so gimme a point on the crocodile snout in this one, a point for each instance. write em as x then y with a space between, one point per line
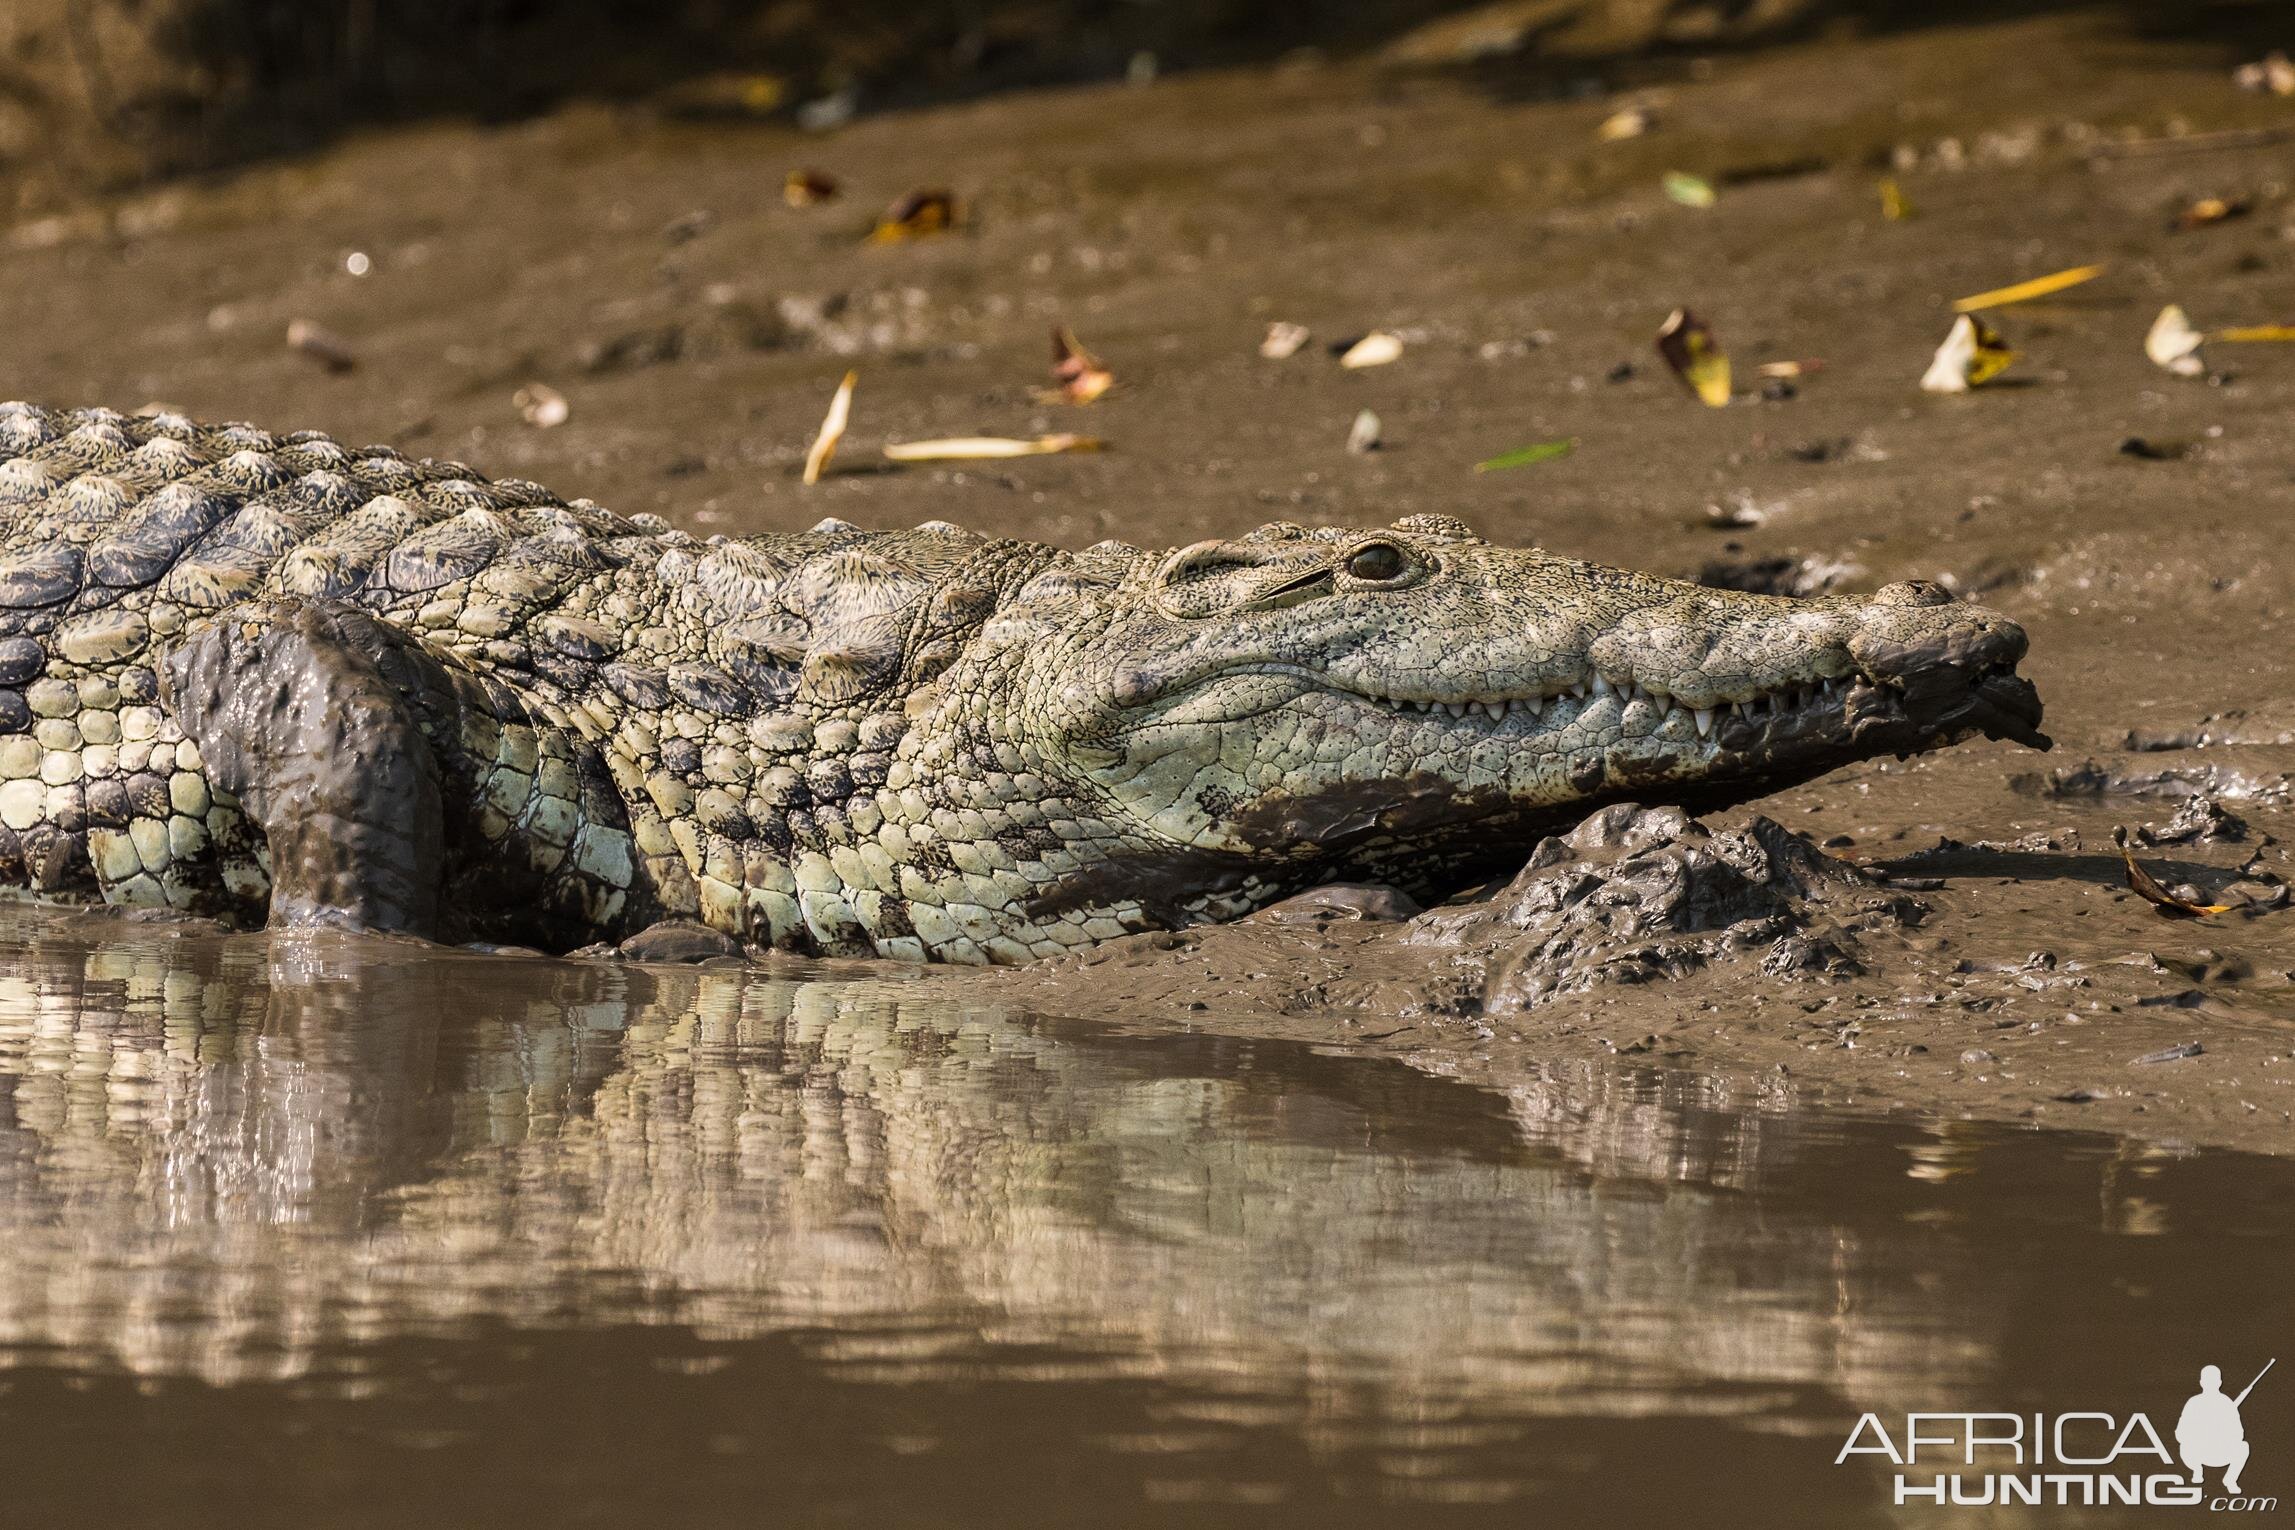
1952 666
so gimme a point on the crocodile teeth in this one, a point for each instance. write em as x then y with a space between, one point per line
1455 708
1704 716
1536 704
1602 686
1741 709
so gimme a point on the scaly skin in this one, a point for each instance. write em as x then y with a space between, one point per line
925 744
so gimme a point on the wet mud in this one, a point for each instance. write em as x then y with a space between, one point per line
1957 930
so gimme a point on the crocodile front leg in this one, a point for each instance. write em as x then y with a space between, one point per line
396 788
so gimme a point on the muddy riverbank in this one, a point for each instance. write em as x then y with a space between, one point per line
645 267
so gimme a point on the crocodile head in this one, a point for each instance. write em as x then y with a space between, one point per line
1416 704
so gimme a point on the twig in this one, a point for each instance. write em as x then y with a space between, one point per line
2195 143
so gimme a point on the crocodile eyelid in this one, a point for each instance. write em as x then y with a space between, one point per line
1322 574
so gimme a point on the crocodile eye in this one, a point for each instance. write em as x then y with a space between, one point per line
1376 563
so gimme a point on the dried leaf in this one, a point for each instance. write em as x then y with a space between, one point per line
832 429
2211 210
2174 343
1626 122
2140 883
807 188
1527 456
1689 190
2245 333
1364 435
918 215
1972 355
1283 340
986 448
324 346
1895 205
542 406
1790 368
1688 346
1375 349
2022 292
1079 373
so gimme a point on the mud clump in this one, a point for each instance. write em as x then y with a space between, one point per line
1639 895
2200 820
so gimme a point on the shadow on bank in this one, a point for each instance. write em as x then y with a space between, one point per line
98 93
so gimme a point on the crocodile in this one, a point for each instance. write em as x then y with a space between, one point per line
273 678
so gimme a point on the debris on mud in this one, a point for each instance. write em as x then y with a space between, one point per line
832 429
1777 575
1364 436
2025 292
2093 779
1973 354
542 406
1079 374
1283 340
1375 349
2210 210
2273 74
2175 902
918 215
2174 343
1689 190
808 188
1687 344
988 448
322 345
2200 820
1526 456
1637 895
1626 122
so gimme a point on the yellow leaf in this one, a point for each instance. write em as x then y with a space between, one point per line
1895 206
2039 286
1688 346
986 448
915 216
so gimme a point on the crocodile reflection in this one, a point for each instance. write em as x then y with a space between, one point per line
219 1154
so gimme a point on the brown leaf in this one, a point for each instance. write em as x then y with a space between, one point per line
2142 884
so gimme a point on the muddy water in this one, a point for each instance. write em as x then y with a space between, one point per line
328 1230
644 266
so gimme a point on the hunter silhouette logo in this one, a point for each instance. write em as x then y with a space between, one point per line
2210 1432
2078 1459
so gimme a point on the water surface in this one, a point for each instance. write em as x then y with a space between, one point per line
324 1230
